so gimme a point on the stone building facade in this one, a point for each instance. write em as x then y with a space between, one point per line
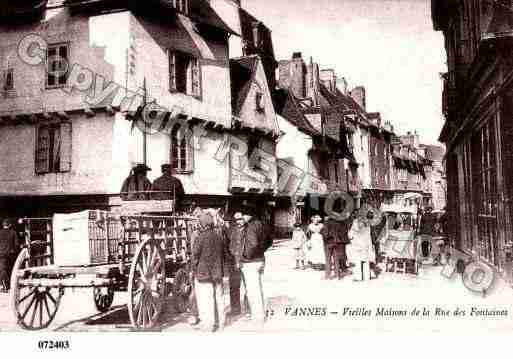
70 138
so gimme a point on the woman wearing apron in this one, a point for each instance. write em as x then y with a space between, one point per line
316 255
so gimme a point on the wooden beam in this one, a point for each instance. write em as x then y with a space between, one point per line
33 118
63 115
89 112
110 111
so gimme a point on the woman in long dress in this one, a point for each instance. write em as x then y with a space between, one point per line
316 245
361 251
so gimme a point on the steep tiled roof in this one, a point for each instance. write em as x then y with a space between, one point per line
14 8
246 22
288 106
200 10
205 14
345 103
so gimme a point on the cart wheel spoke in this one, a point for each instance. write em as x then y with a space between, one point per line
41 312
148 311
139 311
140 268
34 313
142 309
26 296
47 308
145 298
31 304
27 308
52 298
137 292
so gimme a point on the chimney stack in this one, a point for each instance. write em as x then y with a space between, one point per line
292 75
358 94
312 85
329 79
342 85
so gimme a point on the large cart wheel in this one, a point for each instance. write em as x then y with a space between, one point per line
103 298
182 288
146 285
34 306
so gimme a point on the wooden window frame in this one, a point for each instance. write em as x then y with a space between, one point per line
193 73
49 73
182 6
181 154
64 151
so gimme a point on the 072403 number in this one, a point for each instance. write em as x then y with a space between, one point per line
51 344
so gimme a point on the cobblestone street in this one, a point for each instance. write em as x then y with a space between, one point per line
288 290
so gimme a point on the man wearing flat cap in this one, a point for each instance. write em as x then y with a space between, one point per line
167 186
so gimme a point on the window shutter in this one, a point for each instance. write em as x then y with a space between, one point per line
56 155
8 79
65 147
63 64
4 80
42 158
172 70
196 78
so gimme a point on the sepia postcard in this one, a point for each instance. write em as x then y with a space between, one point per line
255 167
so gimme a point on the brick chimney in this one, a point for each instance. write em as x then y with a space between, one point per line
358 94
292 75
329 79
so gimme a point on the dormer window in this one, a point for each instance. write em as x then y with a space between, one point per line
181 6
259 102
256 34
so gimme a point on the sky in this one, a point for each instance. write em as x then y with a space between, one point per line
388 46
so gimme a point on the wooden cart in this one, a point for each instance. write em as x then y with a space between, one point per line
399 242
143 255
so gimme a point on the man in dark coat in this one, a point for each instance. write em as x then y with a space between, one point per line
249 255
427 222
334 234
8 243
167 186
136 186
209 256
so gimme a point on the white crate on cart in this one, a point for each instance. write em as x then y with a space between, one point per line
71 239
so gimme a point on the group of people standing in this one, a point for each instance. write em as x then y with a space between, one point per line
339 247
237 252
